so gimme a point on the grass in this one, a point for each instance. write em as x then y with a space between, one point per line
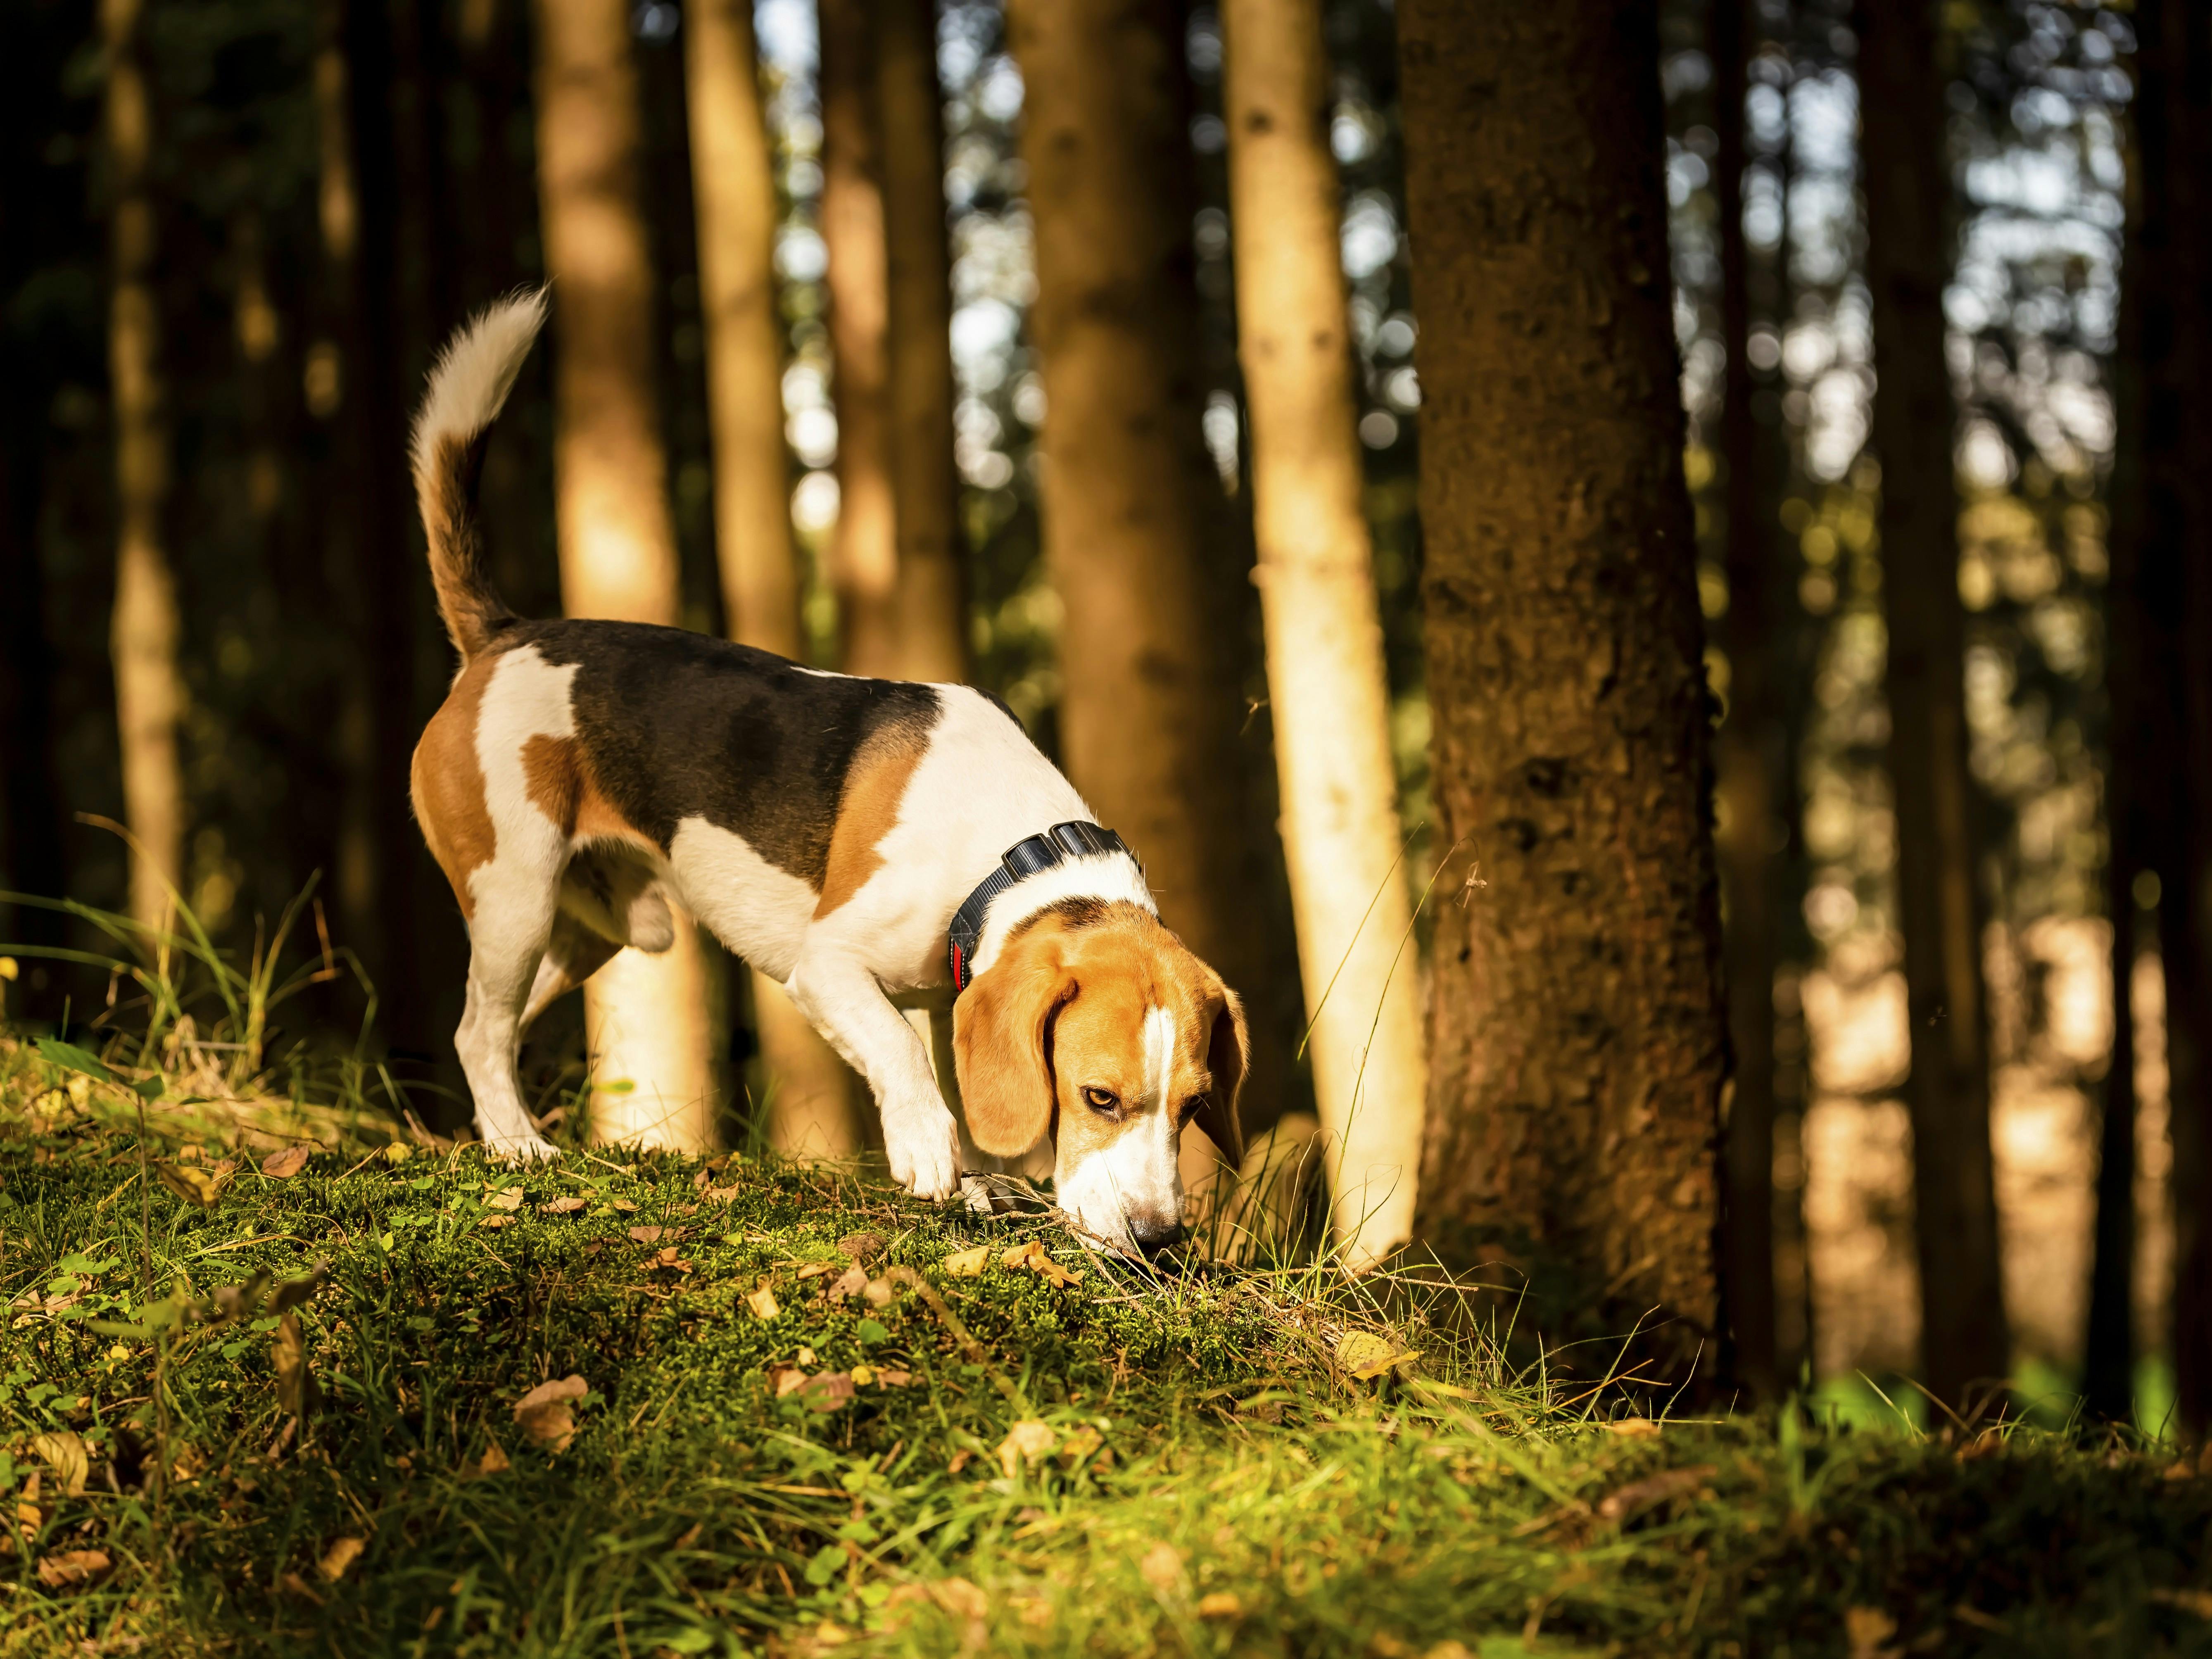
996 1461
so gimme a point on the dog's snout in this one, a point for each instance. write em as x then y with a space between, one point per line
1154 1238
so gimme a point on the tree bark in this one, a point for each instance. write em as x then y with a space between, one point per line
1577 1025
1750 761
1907 175
932 584
864 546
1326 678
807 1094
647 1020
1151 650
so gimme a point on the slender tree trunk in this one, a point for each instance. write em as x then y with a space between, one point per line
933 588
645 1018
864 547
1749 760
1151 648
1577 1015
1908 261
1325 671
149 696
808 1092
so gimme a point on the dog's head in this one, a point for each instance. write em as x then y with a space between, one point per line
1095 1025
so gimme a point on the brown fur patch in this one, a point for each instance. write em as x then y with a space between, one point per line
559 782
867 809
448 784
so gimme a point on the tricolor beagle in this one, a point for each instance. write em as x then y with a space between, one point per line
828 829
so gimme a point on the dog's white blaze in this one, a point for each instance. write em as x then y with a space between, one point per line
1159 1057
1138 1175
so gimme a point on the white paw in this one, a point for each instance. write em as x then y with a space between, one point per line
924 1150
519 1149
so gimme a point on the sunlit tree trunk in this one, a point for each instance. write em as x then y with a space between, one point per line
647 1019
807 1091
864 546
1577 1015
149 693
1907 174
1325 671
931 586
1152 647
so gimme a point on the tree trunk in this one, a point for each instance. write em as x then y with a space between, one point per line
1151 650
1750 763
1325 671
807 1093
1907 174
149 696
932 582
645 1018
1576 1017
864 546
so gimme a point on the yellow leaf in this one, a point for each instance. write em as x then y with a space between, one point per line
341 1555
494 1222
968 1264
397 1151
1032 1256
72 1568
562 1206
1027 1439
194 1186
494 1462
544 1413
763 1303
1221 1604
1632 1428
296 1392
1367 1356
29 1517
863 1375
66 1455
283 1166
509 1199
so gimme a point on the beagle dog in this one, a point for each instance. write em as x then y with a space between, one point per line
855 839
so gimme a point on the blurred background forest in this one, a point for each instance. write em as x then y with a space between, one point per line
326 187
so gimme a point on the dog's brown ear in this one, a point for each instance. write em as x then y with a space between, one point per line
1228 1056
1001 1029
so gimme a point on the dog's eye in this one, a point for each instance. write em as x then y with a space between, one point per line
1192 1107
1100 1100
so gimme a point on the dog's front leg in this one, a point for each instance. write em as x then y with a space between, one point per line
846 1004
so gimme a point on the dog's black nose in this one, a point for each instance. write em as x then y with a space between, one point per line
1154 1238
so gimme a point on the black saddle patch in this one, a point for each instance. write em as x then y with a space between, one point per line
676 724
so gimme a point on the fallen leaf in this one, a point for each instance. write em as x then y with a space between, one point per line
494 1462
494 1222
341 1555
544 1415
2189 1600
1221 1604
296 1392
1450 1649
665 1260
1367 1356
894 1379
960 1460
763 1302
827 1391
72 1568
787 1378
815 1270
194 1186
861 1246
623 1205
968 1264
29 1517
1033 1610
1631 1428
852 1282
720 1195
568 1205
66 1455
1869 1630
960 1597
863 1375
283 1166
397 1151
655 1235
1640 1495
1028 1438
509 1199
293 1585
1078 1446
1162 1567
1032 1256
291 1293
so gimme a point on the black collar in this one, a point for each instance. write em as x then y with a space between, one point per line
1025 858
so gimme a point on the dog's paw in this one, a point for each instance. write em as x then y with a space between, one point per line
520 1149
925 1153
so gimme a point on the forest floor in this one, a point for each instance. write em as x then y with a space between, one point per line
982 1440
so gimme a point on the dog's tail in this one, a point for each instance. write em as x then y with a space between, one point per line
471 381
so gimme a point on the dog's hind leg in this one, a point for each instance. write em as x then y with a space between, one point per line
572 955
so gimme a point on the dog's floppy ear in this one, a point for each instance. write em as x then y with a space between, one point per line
1001 1038
1228 1056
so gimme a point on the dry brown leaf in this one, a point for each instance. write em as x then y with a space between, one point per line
494 1222
66 1454
1868 1631
1027 1439
720 1195
283 1166
296 1392
960 1597
785 1378
568 1205
72 1568
960 1460
968 1264
1221 1604
29 1517
851 1282
194 1186
341 1555
815 1270
623 1205
1637 1496
763 1302
879 1293
891 1379
1631 1428
1162 1567
1032 1256
655 1235
544 1415
293 1585
494 1462
509 1199
861 1246
828 1391
665 1260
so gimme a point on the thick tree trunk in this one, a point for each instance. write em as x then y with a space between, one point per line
1325 671
647 1019
864 547
149 696
1151 647
807 1093
1750 762
931 583
1577 1018
1940 903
